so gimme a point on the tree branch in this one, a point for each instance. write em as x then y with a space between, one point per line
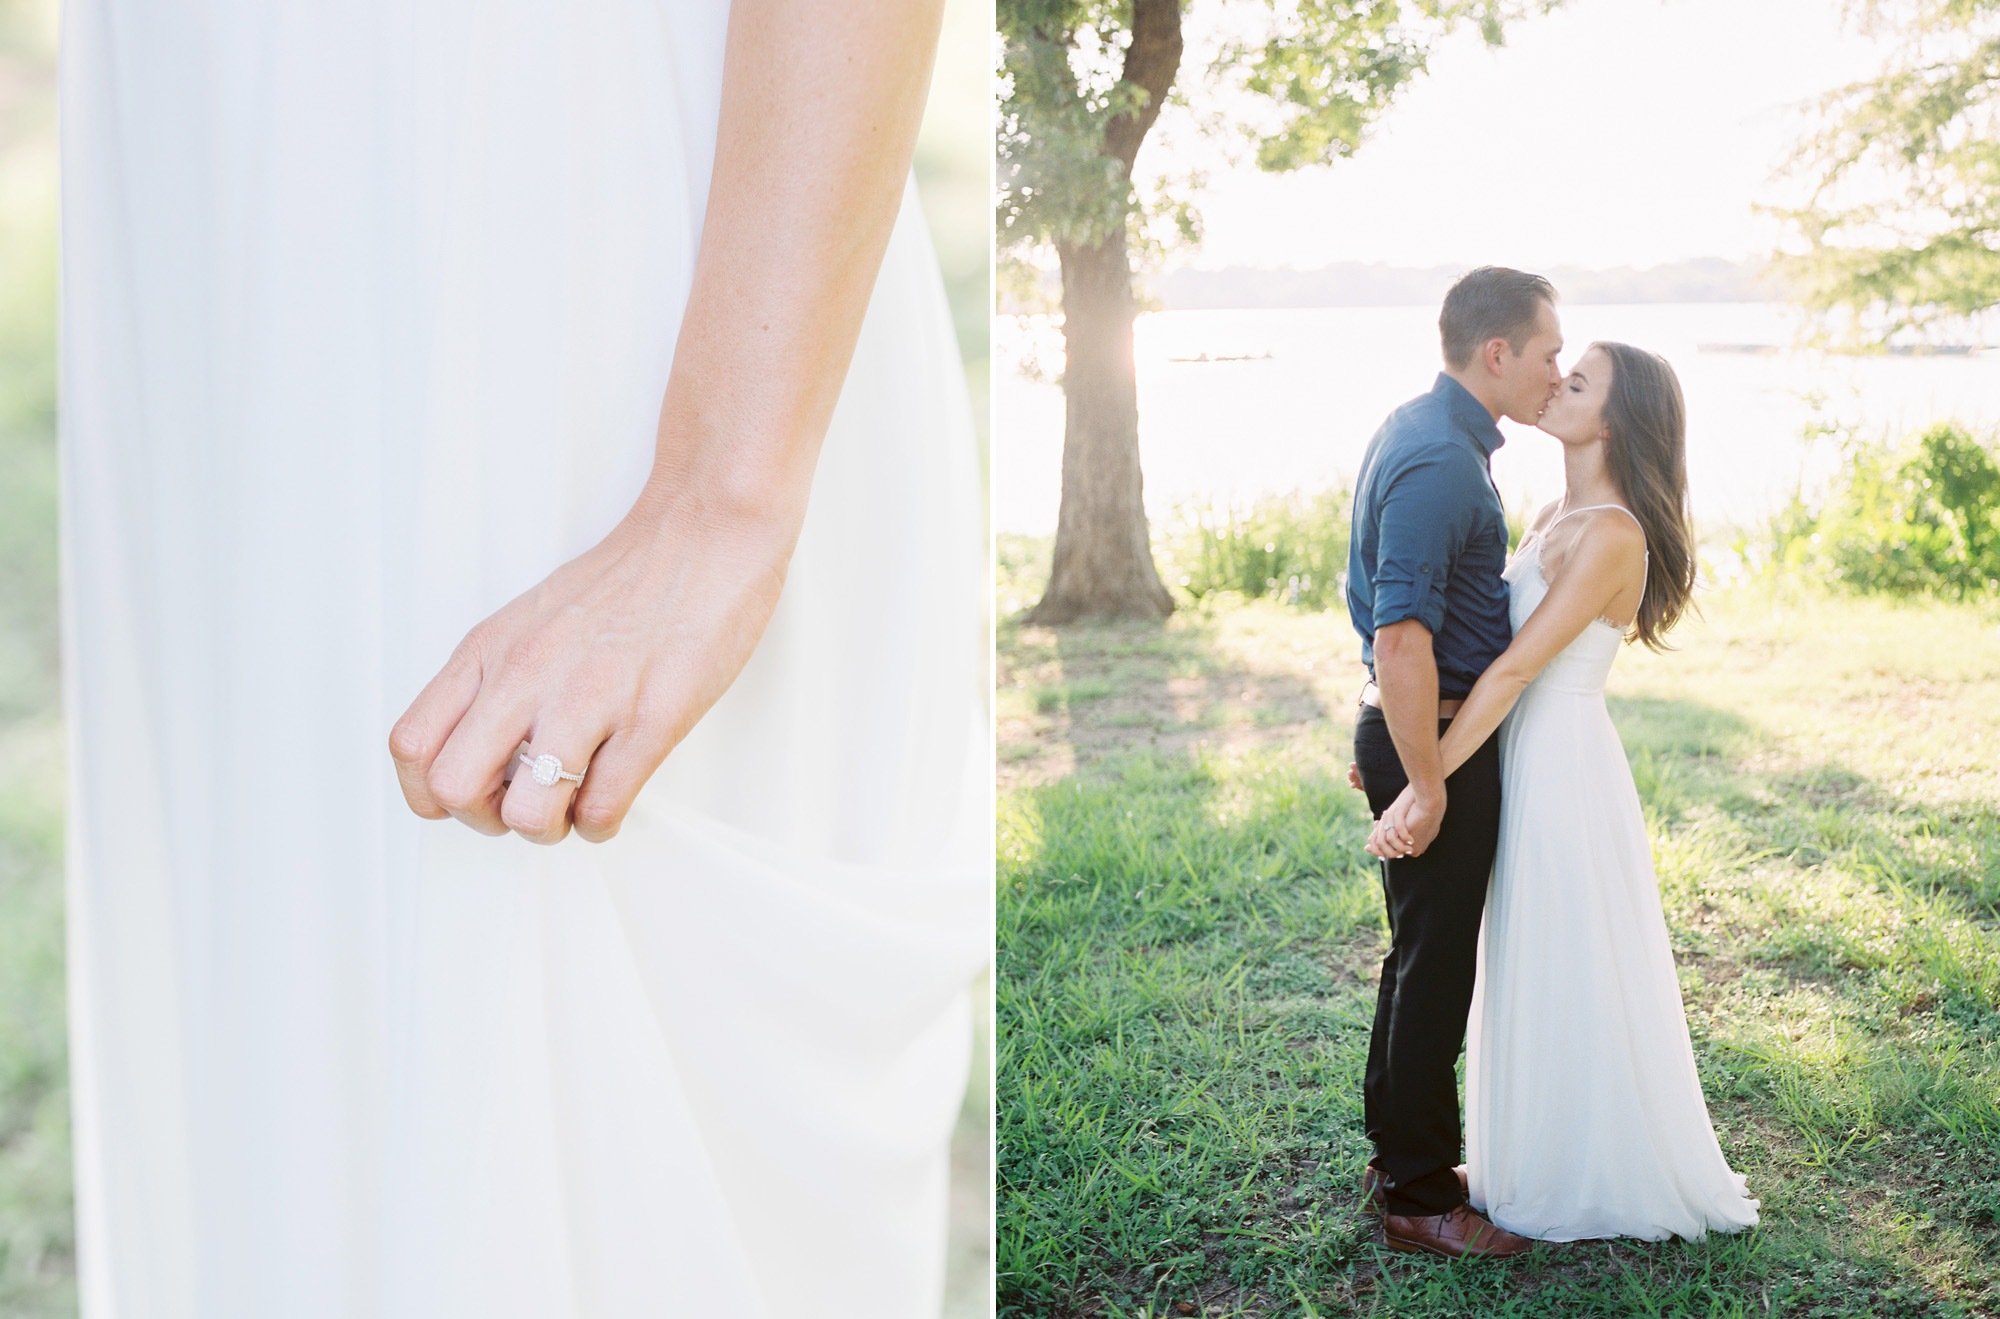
1151 63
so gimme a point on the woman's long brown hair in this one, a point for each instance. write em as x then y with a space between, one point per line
1647 452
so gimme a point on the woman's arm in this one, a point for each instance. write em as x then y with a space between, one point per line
820 109
1541 519
1608 554
615 656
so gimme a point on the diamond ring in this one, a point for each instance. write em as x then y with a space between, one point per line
547 769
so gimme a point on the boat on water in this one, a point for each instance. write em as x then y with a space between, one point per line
1893 350
1263 356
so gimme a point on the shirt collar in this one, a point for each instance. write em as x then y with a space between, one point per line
1469 413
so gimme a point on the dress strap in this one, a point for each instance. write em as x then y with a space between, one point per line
1587 508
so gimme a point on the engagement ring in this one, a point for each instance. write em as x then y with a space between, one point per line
547 769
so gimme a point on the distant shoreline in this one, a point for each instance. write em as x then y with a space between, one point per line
1354 284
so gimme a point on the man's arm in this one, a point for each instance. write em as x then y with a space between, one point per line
1407 677
1425 517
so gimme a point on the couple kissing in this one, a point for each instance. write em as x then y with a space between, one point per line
1524 916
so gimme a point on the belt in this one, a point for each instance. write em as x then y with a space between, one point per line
1447 706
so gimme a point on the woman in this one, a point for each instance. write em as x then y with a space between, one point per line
1584 1112
558 394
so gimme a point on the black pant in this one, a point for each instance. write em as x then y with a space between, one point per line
1410 1092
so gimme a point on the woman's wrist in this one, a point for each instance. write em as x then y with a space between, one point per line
733 498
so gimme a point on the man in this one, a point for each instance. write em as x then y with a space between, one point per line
1424 591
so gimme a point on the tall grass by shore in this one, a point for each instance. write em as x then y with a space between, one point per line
1189 933
1915 515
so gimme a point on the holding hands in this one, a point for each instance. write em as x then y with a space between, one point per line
1406 828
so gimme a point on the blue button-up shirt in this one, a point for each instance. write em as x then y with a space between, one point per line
1430 534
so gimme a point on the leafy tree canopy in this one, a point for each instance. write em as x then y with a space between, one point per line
1071 120
1901 221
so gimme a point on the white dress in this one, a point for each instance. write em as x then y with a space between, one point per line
1584 1112
368 307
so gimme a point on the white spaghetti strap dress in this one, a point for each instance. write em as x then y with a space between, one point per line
1584 1111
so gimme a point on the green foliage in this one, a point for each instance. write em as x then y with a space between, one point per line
28 317
37 1240
28 621
953 168
1021 571
1059 73
1902 224
1326 69
1290 547
1330 90
1922 517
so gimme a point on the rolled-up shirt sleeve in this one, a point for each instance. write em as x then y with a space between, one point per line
1425 518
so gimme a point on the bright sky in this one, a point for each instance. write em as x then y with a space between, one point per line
1612 132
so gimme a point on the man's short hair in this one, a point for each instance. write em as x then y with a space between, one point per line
1489 303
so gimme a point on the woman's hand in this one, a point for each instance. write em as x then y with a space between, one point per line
611 660
1394 834
606 664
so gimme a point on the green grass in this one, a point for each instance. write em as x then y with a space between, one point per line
37 1243
1188 935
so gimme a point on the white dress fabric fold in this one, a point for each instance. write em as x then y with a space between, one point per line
368 309
1584 1111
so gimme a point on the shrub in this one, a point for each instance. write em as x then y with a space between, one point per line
1020 571
1921 517
1292 548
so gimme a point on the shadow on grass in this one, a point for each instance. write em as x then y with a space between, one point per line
1074 695
1185 973
1173 1030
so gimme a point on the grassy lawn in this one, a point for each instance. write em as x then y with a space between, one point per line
1189 934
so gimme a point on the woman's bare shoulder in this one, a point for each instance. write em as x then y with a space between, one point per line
1612 531
1608 543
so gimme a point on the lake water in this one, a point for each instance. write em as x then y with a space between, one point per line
1300 418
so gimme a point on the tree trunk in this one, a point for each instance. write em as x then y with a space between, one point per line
1104 553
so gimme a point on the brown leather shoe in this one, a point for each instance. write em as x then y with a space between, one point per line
1373 1178
1460 1233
